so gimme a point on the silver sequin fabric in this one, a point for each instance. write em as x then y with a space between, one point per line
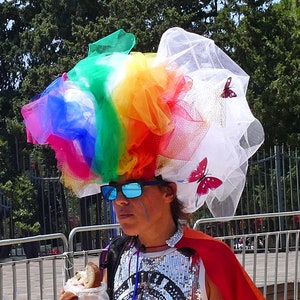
158 275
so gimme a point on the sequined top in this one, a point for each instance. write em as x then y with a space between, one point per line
166 275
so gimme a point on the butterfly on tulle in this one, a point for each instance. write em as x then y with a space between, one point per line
206 183
228 92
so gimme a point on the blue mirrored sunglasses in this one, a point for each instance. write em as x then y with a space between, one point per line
130 190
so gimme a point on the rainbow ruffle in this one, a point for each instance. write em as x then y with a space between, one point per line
120 112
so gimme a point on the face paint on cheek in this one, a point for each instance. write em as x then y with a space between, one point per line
142 204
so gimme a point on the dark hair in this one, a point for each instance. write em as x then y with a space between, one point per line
178 213
177 207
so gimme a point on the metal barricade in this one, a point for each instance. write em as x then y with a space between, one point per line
270 259
16 281
43 277
76 230
273 269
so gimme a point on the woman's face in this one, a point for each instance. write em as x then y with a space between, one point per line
144 214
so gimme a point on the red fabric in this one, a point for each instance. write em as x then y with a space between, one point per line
221 266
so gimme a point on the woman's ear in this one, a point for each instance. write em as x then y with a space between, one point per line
170 191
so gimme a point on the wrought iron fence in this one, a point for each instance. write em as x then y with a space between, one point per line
272 186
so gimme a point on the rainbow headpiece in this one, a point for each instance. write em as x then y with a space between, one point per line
180 113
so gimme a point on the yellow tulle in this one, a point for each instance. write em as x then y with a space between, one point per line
140 95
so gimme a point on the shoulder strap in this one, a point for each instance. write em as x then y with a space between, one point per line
103 261
110 258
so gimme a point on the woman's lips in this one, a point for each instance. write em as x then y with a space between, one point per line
123 216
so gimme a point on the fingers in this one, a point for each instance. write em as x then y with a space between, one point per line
67 296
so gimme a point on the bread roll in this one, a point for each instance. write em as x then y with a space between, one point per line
92 276
89 277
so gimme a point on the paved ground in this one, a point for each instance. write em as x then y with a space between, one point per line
47 276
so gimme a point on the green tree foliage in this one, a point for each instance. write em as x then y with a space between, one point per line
274 64
39 40
25 207
264 38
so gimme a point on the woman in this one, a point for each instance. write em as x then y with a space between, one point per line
162 259
159 258
169 132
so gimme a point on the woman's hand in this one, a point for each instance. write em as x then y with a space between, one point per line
67 296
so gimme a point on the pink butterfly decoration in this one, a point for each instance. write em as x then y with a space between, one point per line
228 93
206 183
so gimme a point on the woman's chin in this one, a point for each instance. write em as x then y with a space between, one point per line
129 229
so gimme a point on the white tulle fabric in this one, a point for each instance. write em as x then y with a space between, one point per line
234 134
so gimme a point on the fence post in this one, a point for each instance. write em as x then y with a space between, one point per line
278 155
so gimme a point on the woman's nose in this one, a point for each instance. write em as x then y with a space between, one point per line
121 199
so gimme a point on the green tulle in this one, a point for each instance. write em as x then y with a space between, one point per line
93 74
119 41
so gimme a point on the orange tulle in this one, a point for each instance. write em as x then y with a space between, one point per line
145 100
